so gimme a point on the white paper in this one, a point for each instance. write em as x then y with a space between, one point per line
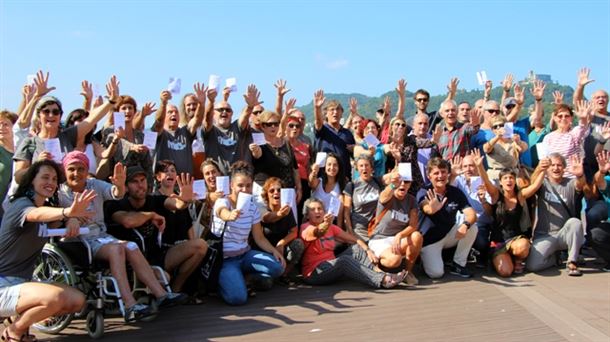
160 239
243 202
475 183
333 206
480 78
92 161
119 120
321 159
198 146
508 130
214 82
200 189
174 85
231 83
52 146
30 79
96 91
62 232
542 151
259 139
287 196
371 140
404 170
484 76
597 129
150 139
222 184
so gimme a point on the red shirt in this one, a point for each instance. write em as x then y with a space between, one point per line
319 250
301 154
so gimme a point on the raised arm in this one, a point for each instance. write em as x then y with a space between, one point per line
280 85
85 126
318 102
513 115
160 116
284 120
603 162
353 112
401 90
491 188
537 178
487 91
452 88
185 185
577 169
388 192
87 93
507 83
582 81
252 99
195 122
208 120
537 92
42 89
139 118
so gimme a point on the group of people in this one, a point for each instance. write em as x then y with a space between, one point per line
366 198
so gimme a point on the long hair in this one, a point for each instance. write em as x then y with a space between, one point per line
25 186
340 173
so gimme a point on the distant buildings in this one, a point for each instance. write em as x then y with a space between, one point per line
532 77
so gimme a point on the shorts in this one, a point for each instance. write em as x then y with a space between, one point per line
98 241
380 245
503 247
10 288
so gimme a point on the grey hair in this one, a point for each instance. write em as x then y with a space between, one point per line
557 155
444 103
308 202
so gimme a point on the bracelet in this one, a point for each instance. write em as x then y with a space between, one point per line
63 213
111 102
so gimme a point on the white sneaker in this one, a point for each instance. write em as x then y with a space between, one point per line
410 279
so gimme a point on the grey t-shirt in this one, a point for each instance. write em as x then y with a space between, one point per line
552 214
176 146
364 202
396 218
104 193
20 244
31 147
223 145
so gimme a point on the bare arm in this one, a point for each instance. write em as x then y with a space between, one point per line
582 81
280 85
252 99
452 88
197 119
112 87
208 121
318 101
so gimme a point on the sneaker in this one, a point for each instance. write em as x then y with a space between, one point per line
410 279
606 268
391 280
460 271
172 299
137 312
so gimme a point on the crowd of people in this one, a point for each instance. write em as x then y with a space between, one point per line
366 198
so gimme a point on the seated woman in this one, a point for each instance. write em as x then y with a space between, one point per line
279 225
502 153
103 245
20 246
511 219
237 225
360 199
321 266
396 235
329 183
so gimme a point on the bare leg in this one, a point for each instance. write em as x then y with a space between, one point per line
186 257
115 255
144 272
412 246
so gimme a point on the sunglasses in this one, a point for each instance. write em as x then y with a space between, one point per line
493 111
271 124
274 190
422 99
497 126
51 111
294 126
400 124
224 110
509 107
257 112
563 116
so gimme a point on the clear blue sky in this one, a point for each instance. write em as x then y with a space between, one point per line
341 46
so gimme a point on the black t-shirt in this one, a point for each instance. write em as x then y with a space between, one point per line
436 226
276 231
275 162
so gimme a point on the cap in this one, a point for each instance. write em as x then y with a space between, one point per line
133 171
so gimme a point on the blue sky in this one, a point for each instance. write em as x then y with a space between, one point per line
341 46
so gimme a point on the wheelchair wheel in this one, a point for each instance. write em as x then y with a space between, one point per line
95 324
53 266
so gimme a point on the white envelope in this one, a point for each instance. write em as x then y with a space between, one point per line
333 206
371 140
480 78
92 161
231 83
222 184
214 82
150 139
287 196
52 145
484 76
96 91
321 158
200 189
244 201
119 120
542 151
404 170
174 85
259 139
198 146
508 130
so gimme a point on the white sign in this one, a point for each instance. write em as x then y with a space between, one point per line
214 82
371 140
52 146
333 206
475 183
119 120
259 139
46 232
542 151
321 159
150 139
243 202
231 83
174 85
200 189
508 130
222 184
404 170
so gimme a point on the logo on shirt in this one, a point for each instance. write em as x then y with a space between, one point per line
227 141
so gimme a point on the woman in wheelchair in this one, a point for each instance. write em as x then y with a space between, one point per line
105 246
28 212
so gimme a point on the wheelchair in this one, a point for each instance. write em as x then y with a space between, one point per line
71 262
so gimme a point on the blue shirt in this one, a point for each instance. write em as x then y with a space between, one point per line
330 140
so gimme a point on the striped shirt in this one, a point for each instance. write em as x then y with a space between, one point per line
237 232
566 143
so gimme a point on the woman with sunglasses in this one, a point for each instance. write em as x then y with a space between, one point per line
502 152
275 158
566 140
303 152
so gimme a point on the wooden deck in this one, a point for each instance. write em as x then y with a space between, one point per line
550 306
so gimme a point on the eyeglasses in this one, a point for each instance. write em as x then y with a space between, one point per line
511 106
566 116
294 126
401 124
493 111
223 110
274 190
51 111
271 124
422 99
497 126
257 112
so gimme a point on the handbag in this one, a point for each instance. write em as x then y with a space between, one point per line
212 263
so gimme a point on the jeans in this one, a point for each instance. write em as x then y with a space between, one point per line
231 281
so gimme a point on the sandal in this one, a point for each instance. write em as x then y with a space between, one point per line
6 337
574 271
391 280
27 337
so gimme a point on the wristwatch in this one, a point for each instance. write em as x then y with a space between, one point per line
467 224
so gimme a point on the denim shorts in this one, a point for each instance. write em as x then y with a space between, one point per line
10 288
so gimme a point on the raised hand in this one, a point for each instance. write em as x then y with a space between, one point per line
576 167
557 97
507 83
112 88
401 88
476 157
456 163
387 106
605 130
436 135
233 215
583 77
252 96
584 109
544 164
318 98
285 210
185 185
475 115
603 161
87 90
212 93
488 86
280 85
353 106
289 105
226 92
433 202
148 108
165 96
28 91
119 175
537 90
452 86
41 82
519 94
200 92
78 208
98 101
